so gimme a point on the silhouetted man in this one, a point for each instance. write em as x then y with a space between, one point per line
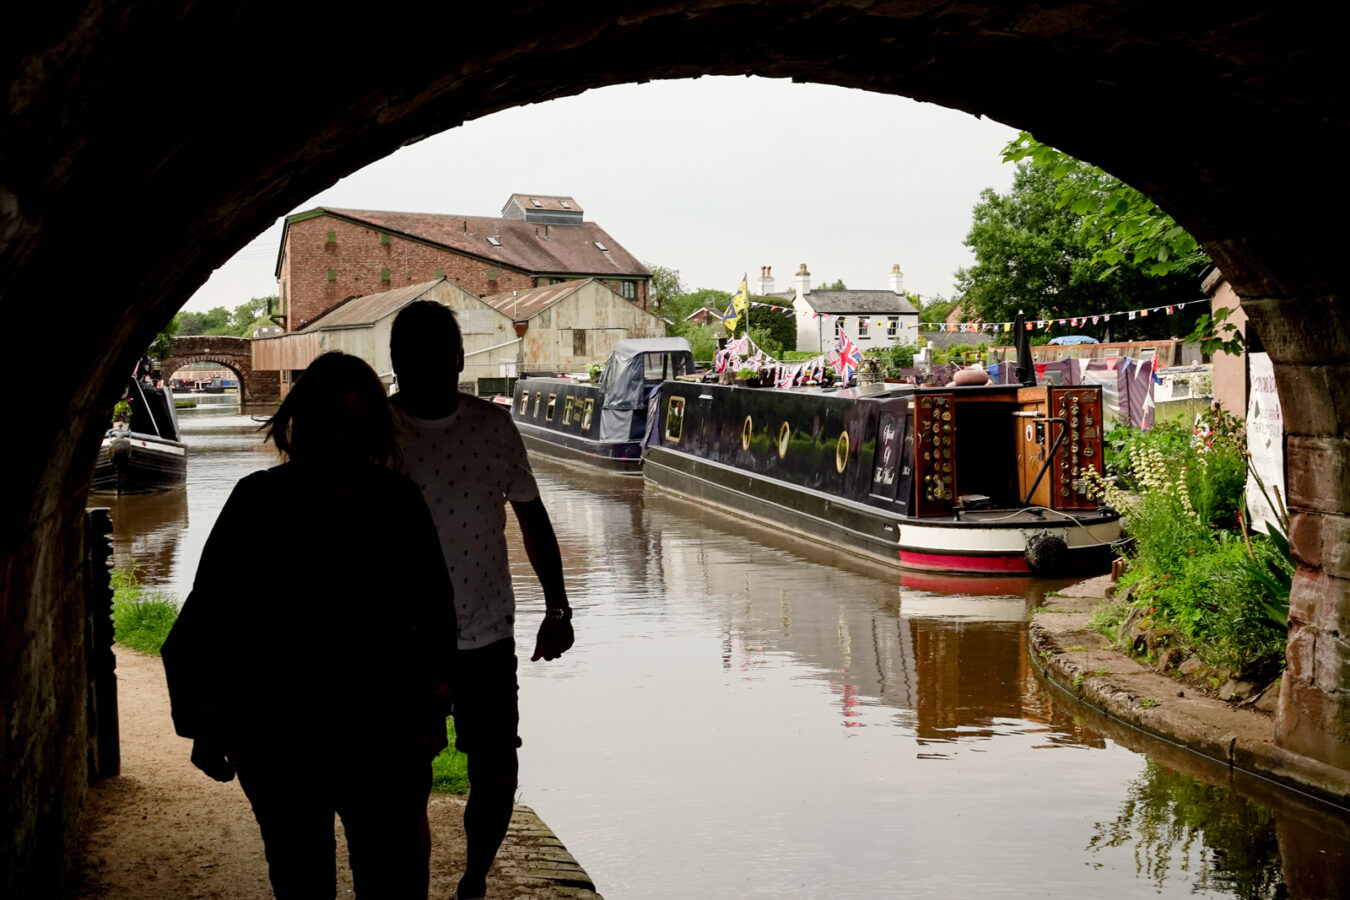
469 461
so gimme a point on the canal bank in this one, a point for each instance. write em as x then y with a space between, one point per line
161 829
1081 661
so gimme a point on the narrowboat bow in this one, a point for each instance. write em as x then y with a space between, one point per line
978 480
142 454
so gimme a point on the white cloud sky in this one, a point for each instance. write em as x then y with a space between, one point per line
714 177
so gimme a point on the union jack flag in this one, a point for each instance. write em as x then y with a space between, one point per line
850 357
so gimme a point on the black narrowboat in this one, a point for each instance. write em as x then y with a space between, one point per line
603 423
142 453
986 479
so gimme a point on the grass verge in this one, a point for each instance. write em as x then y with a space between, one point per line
450 768
141 617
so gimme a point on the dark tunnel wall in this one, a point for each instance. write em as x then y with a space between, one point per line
144 143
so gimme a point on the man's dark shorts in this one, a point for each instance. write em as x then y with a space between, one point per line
486 708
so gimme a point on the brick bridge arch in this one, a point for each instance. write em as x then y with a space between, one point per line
233 353
1232 116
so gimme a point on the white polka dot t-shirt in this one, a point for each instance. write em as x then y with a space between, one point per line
468 465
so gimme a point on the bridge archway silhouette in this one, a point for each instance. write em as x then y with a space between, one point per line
1191 104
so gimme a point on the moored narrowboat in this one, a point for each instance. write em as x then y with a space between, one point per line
142 453
988 479
602 423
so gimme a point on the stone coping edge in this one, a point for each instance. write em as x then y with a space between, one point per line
534 859
1249 748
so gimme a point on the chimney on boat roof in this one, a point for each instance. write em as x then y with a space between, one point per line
765 280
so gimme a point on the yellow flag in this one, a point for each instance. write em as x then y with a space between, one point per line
740 304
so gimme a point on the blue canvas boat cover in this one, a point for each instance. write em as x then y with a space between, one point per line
634 363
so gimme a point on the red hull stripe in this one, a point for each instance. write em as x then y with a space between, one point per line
938 562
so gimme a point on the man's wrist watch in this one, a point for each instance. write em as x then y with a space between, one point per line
562 613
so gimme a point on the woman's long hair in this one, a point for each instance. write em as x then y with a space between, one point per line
336 413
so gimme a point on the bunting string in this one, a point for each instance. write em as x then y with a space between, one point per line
994 327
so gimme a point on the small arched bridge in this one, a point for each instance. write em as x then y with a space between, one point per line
235 354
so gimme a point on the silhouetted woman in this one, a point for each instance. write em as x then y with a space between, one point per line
311 656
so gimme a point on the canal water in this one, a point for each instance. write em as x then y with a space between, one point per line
747 715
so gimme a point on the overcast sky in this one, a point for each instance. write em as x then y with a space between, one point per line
714 177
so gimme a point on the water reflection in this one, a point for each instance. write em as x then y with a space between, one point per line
747 715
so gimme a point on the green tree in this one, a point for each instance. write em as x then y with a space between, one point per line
162 346
1034 255
1119 223
219 321
771 328
836 285
936 309
665 286
679 307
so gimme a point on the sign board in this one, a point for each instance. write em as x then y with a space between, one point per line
1265 442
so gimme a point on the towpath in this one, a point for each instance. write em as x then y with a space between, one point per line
161 829
1081 661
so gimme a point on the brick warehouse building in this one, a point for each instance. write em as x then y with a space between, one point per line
329 255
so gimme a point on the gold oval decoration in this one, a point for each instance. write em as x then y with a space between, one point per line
746 431
841 453
784 432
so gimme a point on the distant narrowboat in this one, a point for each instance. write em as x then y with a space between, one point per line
604 423
143 452
975 480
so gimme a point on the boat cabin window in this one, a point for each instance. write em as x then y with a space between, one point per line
537 399
662 366
568 403
784 435
674 419
552 405
524 402
586 416
841 453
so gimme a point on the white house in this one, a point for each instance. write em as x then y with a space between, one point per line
870 318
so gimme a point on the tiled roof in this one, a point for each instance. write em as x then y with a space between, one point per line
547 201
522 305
537 249
854 302
362 312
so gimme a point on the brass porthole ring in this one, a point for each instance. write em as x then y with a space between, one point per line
841 453
746 430
784 432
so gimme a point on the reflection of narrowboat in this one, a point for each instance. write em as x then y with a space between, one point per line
143 453
980 480
604 423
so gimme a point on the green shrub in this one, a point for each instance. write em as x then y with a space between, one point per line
141 618
1193 568
450 768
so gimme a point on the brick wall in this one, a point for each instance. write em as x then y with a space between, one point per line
359 260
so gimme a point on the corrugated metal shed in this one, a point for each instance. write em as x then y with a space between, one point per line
522 305
363 312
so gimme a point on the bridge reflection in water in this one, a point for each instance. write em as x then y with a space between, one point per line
748 715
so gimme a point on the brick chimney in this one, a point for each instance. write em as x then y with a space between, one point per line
803 281
765 280
897 280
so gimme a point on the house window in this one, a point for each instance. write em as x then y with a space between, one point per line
586 415
862 330
628 290
674 419
524 401
552 406
578 342
567 410
893 327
